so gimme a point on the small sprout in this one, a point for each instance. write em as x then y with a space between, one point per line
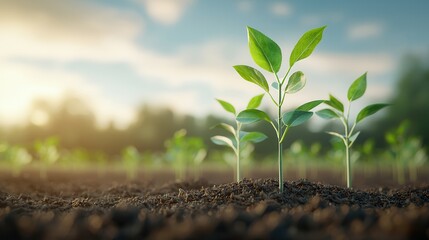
237 138
336 110
131 159
47 153
267 55
184 151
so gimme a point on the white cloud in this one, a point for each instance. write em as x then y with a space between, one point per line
365 30
375 63
54 37
21 84
166 11
281 9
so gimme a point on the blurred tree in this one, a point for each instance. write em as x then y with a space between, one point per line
410 101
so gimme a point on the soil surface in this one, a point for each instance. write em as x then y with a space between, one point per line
86 207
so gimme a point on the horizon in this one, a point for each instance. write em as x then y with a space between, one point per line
117 56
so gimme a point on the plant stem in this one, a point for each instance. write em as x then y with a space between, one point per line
347 145
237 154
349 179
279 136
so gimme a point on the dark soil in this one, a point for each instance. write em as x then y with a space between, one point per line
252 209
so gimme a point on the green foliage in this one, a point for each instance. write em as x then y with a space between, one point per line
237 139
184 151
267 55
16 156
306 45
336 111
265 52
47 153
131 159
406 151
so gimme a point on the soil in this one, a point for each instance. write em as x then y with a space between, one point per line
88 207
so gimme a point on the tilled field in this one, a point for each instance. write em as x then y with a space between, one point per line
252 209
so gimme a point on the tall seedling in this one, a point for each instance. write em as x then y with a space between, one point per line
267 55
238 137
336 110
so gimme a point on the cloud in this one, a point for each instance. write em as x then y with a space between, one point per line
365 30
83 32
18 91
281 9
54 30
351 63
166 12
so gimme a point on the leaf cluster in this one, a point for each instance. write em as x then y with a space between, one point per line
236 136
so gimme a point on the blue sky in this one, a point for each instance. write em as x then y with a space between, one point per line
117 55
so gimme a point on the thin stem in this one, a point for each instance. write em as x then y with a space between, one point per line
349 179
287 73
347 134
284 134
237 153
272 99
279 135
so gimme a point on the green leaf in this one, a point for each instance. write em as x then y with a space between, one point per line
265 52
296 117
310 105
223 141
357 89
252 75
327 114
275 85
306 44
369 110
255 101
227 127
335 103
296 82
254 137
227 106
252 115
353 138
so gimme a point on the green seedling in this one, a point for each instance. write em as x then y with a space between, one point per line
237 137
406 151
17 157
47 153
131 159
184 151
267 55
336 110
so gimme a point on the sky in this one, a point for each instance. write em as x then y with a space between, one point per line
117 55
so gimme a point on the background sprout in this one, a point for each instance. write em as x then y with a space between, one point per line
406 152
131 159
183 151
267 55
238 138
16 156
336 110
47 153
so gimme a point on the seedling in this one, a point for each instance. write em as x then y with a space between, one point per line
336 110
406 151
16 156
239 138
131 159
47 152
183 151
267 55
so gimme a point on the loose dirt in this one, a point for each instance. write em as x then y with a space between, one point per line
87 208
